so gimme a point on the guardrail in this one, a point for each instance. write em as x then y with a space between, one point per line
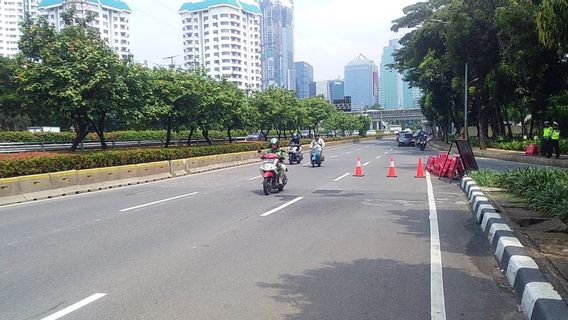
15 147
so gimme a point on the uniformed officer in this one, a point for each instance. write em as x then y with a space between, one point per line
545 144
555 140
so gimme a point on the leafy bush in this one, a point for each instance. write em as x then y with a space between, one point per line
545 189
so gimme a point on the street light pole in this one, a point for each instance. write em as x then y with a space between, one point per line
465 104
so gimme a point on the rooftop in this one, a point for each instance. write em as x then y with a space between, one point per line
360 60
115 4
198 5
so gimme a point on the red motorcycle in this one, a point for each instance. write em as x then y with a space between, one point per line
269 171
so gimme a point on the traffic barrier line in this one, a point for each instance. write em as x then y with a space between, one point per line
10 191
538 298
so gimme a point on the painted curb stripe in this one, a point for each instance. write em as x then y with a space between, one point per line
505 242
494 228
515 264
484 208
535 291
511 252
526 276
488 216
549 309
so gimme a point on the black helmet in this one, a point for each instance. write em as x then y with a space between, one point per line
316 135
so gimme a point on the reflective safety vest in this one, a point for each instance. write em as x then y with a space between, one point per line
546 133
555 134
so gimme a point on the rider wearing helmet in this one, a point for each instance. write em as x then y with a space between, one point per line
274 147
318 142
295 139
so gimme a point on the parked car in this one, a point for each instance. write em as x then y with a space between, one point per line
406 139
371 132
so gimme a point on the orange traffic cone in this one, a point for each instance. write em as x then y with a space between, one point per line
358 168
392 170
420 170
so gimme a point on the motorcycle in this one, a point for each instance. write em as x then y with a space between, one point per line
316 157
269 171
422 141
295 153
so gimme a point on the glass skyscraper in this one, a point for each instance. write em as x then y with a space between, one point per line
395 93
361 82
277 51
304 79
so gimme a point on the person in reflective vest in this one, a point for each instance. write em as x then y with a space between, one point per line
545 144
554 141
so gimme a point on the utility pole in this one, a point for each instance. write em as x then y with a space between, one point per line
465 104
172 64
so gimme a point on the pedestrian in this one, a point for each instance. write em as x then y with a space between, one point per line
545 143
555 140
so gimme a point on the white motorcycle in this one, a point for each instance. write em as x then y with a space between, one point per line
269 171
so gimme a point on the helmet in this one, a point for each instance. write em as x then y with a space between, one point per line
274 143
546 123
316 135
295 136
555 123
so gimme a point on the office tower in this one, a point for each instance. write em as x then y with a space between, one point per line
361 83
277 43
336 90
304 78
12 13
112 19
395 93
322 89
223 37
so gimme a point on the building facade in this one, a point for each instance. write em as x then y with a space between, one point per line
223 37
361 83
112 19
336 90
394 92
278 43
12 13
304 79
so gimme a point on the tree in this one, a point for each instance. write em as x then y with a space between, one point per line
317 109
71 73
12 117
552 22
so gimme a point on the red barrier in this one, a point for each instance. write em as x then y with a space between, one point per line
532 150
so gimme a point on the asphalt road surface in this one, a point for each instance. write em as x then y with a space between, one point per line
213 246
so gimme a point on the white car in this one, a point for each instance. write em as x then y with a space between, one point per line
372 133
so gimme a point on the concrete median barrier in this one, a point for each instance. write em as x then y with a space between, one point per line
36 187
64 183
98 179
154 171
178 167
10 191
128 175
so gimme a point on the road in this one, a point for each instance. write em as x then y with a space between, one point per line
212 246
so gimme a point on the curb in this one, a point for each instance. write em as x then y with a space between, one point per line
537 296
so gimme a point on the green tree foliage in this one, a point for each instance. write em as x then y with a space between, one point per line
552 21
12 116
72 74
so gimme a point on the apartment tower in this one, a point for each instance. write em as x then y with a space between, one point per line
223 37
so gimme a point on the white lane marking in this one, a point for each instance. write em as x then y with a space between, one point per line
437 302
159 201
386 152
75 306
366 163
359 149
378 157
254 178
348 152
281 207
339 178
333 157
367 147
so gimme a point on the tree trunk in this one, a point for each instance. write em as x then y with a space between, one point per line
509 127
99 130
191 131
532 127
482 130
229 135
168 131
205 133
82 131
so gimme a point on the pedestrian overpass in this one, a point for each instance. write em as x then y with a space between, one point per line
383 119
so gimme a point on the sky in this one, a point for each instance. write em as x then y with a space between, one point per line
328 33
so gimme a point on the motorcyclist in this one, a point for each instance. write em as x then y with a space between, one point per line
274 148
317 142
295 140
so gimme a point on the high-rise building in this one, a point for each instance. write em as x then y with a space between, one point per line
395 93
12 13
278 43
223 36
361 82
112 19
304 78
322 89
336 90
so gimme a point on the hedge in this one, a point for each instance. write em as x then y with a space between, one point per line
517 145
27 163
545 189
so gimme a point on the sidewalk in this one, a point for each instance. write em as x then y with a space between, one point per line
507 155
